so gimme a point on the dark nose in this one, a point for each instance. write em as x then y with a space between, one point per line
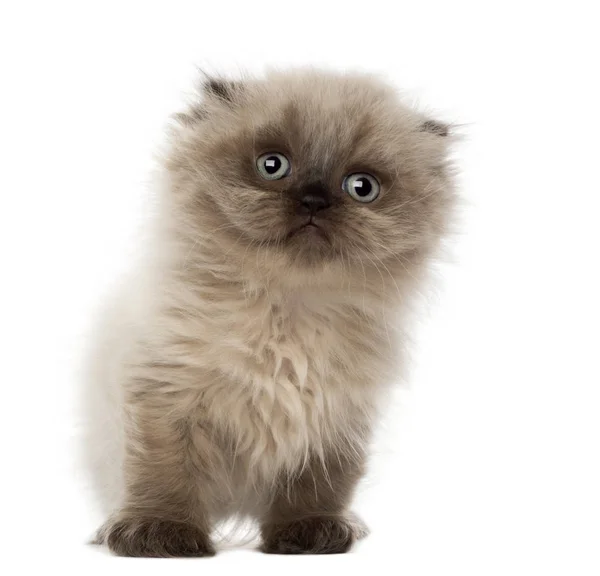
314 198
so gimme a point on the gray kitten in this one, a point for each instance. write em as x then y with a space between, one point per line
243 366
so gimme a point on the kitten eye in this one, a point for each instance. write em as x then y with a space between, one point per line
273 166
362 187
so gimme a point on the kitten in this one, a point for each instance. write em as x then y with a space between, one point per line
244 366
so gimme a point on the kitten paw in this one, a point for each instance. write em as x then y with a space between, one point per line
317 535
154 538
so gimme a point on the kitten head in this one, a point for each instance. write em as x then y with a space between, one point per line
311 170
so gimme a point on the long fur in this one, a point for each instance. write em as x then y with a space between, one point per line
234 359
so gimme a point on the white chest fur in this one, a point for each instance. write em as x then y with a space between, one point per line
299 375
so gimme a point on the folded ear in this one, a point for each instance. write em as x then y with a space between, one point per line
434 127
226 91
219 90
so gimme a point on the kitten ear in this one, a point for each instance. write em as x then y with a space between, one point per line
434 127
223 90
220 90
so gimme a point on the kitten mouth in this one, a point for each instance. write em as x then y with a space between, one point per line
310 228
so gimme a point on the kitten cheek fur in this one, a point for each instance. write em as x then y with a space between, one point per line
242 366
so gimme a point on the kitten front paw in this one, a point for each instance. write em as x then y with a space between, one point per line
316 535
155 538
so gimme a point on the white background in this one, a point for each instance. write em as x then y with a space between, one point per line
489 463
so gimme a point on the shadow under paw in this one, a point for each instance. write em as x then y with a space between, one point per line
317 535
155 538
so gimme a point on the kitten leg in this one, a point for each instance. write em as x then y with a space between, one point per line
308 514
168 457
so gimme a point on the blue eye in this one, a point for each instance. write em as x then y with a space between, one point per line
273 166
362 187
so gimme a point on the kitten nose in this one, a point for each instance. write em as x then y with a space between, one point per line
314 203
314 198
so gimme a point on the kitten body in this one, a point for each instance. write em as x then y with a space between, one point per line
243 366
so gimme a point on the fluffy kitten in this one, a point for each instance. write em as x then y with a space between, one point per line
243 367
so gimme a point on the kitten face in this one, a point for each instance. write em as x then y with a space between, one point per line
316 168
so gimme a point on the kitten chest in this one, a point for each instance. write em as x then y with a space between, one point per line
296 383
